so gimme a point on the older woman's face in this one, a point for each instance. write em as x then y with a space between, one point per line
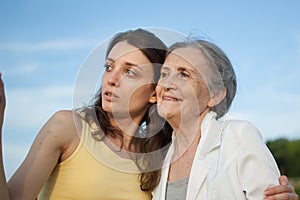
182 92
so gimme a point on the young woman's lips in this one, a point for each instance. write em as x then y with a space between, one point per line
110 96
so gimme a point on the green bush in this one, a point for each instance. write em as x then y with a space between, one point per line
296 183
287 155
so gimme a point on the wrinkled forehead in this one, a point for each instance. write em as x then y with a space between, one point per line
195 59
189 57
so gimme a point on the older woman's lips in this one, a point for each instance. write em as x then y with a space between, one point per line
170 98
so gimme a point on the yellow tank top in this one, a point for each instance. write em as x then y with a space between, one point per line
94 171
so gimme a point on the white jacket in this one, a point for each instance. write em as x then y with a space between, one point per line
231 162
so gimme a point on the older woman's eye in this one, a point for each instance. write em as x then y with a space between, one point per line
163 74
184 75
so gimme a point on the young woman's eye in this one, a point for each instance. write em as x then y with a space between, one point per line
107 67
130 72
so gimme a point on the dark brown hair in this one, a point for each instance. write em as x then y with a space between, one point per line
155 50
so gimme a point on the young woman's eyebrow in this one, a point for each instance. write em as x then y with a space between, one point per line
126 63
134 65
110 59
131 64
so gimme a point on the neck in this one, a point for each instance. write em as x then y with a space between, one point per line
188 134
186 137
128 130
121 143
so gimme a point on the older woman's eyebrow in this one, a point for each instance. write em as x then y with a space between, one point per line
165 67
191 70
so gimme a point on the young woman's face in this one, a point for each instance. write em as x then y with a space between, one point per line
127 83
181 91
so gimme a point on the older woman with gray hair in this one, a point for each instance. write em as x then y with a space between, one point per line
209 158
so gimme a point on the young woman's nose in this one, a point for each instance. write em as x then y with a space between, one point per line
114 78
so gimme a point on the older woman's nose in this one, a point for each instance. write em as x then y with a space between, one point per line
168 83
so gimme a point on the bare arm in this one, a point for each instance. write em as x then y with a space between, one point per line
43 156
52 141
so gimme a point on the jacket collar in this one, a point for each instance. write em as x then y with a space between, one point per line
211 132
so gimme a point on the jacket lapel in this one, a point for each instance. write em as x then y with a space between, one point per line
211 131
160 190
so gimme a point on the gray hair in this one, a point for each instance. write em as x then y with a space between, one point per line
222 73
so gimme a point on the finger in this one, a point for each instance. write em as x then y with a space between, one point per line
2 94
279 189
283 180
1 83
292 196
283 196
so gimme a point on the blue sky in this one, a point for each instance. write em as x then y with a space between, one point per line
43 45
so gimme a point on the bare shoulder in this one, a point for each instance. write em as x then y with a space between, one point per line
62 125
54 143
64 119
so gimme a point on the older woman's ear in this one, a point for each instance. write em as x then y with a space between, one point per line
217 97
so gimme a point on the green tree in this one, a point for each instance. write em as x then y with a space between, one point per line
287 155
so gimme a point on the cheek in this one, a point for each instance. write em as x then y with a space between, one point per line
158 91
141 94
104 78
104 85
202 98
